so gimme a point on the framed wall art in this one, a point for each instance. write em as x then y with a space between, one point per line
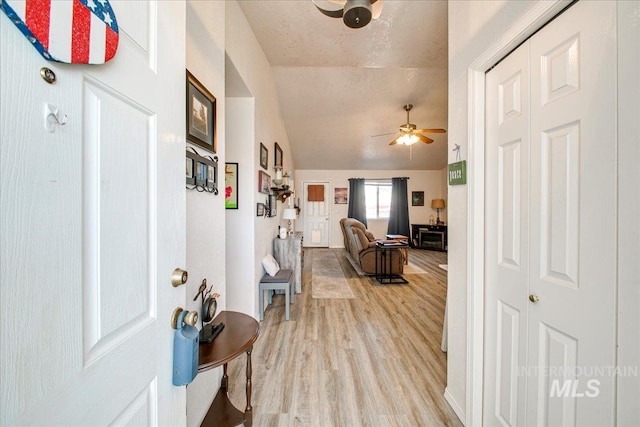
191 178
201 115
273 205
264 156
277 156
260 209
231 185
417 198
264 182
340 195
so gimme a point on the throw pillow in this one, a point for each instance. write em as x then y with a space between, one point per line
270 265
369 235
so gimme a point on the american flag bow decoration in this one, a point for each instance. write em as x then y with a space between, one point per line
71 31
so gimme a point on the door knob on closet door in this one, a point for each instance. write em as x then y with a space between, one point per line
534 298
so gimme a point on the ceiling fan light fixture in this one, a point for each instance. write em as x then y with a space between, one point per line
357 13
407 139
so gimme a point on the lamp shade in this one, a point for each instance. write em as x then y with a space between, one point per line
289 214
437 204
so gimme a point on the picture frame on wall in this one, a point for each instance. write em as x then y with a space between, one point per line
260 209
190 176
340 195
201 114
273 205
231 186
264 156
201 174
277 155
264 182
417 198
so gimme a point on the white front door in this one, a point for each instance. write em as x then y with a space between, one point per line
93 224
316 214
550 223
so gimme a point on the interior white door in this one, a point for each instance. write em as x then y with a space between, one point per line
93 224
316 216
572 328
507 238
550 271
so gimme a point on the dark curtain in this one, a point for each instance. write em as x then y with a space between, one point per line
357 203
399 213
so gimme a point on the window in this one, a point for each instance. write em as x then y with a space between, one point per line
377 198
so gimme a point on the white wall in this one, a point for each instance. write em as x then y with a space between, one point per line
419 180
205 211
473 27
253 68
444 192
240 222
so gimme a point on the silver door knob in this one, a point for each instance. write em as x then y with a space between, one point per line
534 298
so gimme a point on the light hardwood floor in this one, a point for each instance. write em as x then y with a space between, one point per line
374 360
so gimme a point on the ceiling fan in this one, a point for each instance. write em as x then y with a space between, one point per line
354 13
409 135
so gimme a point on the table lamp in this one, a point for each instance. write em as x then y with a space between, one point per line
289 214
437 204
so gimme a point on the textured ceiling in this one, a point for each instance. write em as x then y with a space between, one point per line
338 86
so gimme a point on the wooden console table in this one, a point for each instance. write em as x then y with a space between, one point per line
237 337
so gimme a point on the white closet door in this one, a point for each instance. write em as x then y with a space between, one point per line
550 225
573 217
507 240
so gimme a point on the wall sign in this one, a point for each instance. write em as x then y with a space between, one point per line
458 173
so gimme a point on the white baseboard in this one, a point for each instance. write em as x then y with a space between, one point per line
455 406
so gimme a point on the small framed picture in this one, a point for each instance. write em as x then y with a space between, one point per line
211 177
201 174
191 179
273 205
340 195
417 198
278 156
201 114
264 182
260 209
231 185
264 156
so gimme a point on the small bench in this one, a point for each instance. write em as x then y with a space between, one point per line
283 280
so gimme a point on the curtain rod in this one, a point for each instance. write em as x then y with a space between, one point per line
385 179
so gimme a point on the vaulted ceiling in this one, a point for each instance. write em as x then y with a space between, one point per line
338 86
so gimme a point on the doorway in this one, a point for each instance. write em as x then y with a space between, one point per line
315 208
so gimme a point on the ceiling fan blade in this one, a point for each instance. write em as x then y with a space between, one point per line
383 134
330 13
394 142
424 138
431 130
376 6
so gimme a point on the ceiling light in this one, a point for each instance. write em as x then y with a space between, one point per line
407 139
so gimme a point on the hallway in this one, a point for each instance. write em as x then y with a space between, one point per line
373 360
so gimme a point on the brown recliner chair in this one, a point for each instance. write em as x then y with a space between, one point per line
361 246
